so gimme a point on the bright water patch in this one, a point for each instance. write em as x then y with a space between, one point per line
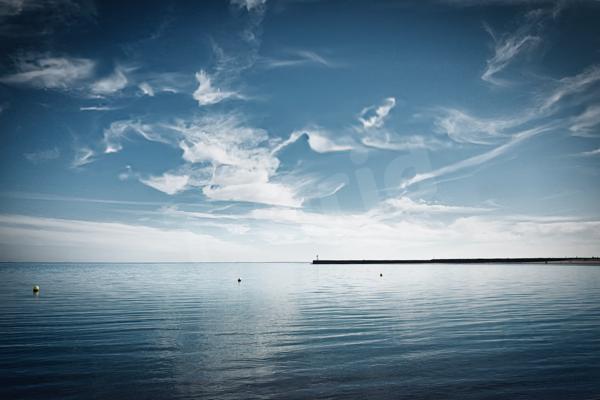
151 331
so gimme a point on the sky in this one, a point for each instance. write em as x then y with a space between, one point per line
253 130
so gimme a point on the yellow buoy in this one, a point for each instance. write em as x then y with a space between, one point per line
36 289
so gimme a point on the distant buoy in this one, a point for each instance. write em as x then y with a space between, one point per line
239 280
380 274
36 289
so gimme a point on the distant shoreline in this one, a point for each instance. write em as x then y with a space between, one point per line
534 260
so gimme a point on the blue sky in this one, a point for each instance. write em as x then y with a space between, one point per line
277 130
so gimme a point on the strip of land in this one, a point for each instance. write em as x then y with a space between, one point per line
544 260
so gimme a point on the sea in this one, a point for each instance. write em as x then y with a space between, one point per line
299 331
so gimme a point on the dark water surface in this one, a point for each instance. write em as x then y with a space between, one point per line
152 331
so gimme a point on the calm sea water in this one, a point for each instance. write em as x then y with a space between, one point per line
152 331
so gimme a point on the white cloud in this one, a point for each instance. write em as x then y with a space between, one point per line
232 162
318 140
393 206
97 108
478 159
397 228
464 128
118 130
255 192
314 57
111 84
83 156
322 144
242 162
51 239
37 157
167 183
169 82
146 89
206 94
47 72
386 141
34 18
590 153
374 116
297 58
249 5
587 123
403 228
506 50
571 85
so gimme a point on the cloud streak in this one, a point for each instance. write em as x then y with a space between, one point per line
318 141
591 153
110 84
167 183
298 58
206 94
506 49
49 72
478 159
569 86
83 156
41 156
78 240
233 162
374 116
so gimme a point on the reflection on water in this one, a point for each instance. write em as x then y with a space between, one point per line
128 331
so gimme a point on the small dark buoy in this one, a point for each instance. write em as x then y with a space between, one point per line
380 274
239 280
36 289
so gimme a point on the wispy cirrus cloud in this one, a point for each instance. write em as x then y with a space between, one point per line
206 94
97 108
152 83
146 89
567 87
242 162
297 58
462 127
109 241
506 48
50 72
291 234
238 159
167 183
405 205
318 140
386 141
35 18
232 57
83 156
587 123
249 5
374 135
374 116
229 160
110 84
591 153
478 159
415 227
119 130
41 156
547 113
